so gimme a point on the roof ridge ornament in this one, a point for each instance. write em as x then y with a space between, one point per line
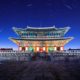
29 27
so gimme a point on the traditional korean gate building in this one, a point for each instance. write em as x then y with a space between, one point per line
41 39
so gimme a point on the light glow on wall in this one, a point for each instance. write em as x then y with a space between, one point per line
44 49
61 48
26 48
55 48
37 48
20 48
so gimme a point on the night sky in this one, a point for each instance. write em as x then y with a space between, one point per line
39 13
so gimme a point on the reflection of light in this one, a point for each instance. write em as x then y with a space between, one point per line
37 48
26 48
43 48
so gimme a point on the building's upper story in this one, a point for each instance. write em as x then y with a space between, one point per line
41 32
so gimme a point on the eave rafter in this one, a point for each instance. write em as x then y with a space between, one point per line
48 43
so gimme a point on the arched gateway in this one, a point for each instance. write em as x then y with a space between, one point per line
35 39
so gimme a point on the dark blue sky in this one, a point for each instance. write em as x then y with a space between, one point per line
21 13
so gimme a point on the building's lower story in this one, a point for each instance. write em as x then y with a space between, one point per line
41 45
41 49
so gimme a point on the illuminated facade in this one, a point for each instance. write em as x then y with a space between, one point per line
46 39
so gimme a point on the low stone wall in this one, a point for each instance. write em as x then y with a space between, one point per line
27 56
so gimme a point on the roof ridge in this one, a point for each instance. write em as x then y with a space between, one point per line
29 27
